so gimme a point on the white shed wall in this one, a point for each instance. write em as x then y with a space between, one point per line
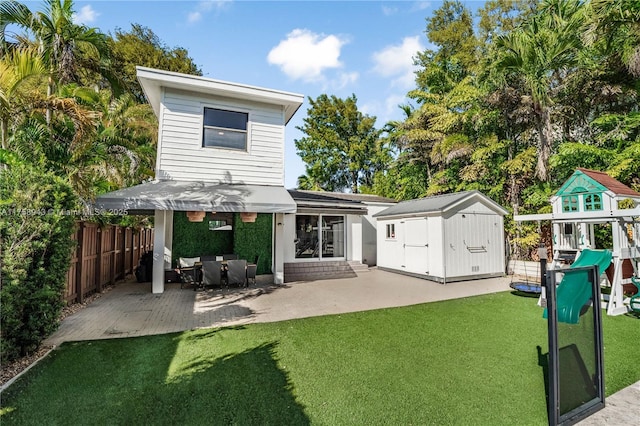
436 242
181 155
474 245
390 252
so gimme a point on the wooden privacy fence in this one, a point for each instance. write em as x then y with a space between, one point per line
103 255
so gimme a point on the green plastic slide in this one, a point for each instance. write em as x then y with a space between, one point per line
574 290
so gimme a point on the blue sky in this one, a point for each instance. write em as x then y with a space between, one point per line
306 47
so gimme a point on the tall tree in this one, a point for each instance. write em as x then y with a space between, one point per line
60 41
341 147
142 47
17 69
541 52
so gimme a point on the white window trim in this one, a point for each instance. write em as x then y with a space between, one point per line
231 109
394 237
320 258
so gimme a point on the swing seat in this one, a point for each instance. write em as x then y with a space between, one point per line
526 287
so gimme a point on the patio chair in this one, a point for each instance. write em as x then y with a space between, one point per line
189 275
237 272
211 273
208 257
231 256
187 262
252 269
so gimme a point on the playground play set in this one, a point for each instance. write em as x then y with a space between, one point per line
586 200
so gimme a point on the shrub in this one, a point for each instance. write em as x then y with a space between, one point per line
37 221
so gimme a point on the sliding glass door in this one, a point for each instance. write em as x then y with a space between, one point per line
312 244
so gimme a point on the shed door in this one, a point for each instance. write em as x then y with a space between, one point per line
416 246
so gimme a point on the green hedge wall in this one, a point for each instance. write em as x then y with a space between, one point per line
251 239
37 220
191 239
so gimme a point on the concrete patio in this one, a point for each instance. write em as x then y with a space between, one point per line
130 309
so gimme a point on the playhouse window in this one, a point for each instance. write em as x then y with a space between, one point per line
570 203
592 202
391 231
225 129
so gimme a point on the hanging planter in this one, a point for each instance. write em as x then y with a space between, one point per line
196 216
248 217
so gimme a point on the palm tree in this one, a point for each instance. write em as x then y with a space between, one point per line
61 43
540 53
17 68
618 23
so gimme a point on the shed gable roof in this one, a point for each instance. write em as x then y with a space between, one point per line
439 203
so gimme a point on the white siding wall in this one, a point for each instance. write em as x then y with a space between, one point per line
289 237
182 156
354 237
436 252
369 233
474 244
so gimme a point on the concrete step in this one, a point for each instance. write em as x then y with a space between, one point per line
313 271
358 267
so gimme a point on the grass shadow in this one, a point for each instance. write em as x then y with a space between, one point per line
543 362
156 380
525 294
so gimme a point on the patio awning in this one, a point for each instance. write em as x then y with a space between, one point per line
197 196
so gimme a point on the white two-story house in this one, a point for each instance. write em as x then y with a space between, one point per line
220 151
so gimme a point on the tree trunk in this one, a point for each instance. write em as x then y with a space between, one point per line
5 132
354 182
545 139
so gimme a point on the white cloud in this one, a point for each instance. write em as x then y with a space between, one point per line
194 17
204 7
306 55
397 61
344 79
421 5
86 15
388 11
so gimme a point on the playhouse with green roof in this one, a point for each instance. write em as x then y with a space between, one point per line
588 199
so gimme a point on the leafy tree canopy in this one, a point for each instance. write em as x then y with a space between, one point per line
341 148
142 47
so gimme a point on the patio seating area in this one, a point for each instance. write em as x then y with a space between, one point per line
216 271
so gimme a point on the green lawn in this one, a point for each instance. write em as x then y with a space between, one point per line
468 361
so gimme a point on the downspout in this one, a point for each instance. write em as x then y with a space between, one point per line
273 243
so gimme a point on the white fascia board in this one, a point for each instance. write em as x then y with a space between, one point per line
492 205
153 80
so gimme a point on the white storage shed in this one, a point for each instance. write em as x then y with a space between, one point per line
451 237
